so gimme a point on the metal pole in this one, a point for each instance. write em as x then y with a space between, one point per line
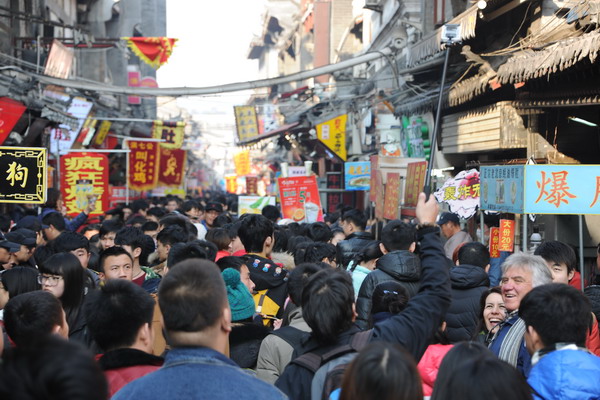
581 270
126 173
437 123
482 226
524 240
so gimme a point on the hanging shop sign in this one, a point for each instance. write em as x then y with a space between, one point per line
461 193
231 183
23 176
414 137
170 132
10 112
494 242
415 180
252 184
83 179
502 188
171 167
102 132
62 138
357 175
373 183
392 196
506 233
254 204
246 122
241 160
334 181
300 199
379 196
332 133
143 165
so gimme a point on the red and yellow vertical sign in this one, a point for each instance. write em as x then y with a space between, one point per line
172 167
84 173
171 132
392 196
494 242
415 179
507 235
242 163
231 183
373 185
143 165
333 134
379 195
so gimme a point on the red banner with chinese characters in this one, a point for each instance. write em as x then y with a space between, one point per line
172 166
374 167
241 161
494 242
251 185
379 195
231 183
84 178
415 179
300 200
392 196
507 235
10 112
143 165
154 51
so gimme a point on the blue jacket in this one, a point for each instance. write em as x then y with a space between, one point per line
524 359
71 225
198 373
566 375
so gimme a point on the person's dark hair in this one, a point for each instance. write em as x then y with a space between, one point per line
173 219
189 205
109 227
474 253
112 252
332 217
42 253
389 297
557 252
171 235
19 280
220 237
484 295
222 220
52 369
480 377
136 220
139 205
116 312
253 232
544 305
299 251
91 227
357 217
327 301
52 196
157 212
192 296
230 262
298 278
149 226
382 371
73 274
281 239
319 232
70 241
295 242
318 251
370 252
132 237
55 219
232 229
196 249
398 235
117 212
31 315
271 212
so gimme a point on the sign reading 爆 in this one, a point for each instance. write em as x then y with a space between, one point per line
300 199
143 164
332 133
79 170
506 234
461 193
357 175
23 175
502 188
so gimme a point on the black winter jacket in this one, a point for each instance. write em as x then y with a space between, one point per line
468 283
413 328
401 266
347 249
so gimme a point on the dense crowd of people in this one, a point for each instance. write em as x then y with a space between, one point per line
171 298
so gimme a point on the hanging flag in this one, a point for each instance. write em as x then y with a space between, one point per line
154 51
84 178
231 183
10 112
241 160
172 167
333 134
143 165
246 122
171 132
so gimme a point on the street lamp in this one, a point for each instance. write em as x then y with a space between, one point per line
450 36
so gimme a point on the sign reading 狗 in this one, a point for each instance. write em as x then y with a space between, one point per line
82 175
23 175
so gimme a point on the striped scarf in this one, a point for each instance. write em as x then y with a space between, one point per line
509 349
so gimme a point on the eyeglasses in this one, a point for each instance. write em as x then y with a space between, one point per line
50 280
390 292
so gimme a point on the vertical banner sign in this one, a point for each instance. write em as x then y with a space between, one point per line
62 138
332 133
357 175
143 165
246 122
461 193
10 112
507 235
102 132
373 184
241 160
392 196
171 132
300 199
231 183
334 181
134 78
171 167
251 185
415 180
494 242
379 195
78 171
23 175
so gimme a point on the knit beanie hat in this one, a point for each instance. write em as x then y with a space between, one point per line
240 299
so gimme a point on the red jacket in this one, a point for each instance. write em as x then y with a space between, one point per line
122 366
592 342
430 364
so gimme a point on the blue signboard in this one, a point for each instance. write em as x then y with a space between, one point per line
562 189
502 188
357 175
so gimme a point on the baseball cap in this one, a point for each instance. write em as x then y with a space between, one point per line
8 245
30 222
214 206
25 237
448 217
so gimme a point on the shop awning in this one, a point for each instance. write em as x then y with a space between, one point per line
278 131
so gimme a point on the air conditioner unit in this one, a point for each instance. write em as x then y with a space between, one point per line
375 5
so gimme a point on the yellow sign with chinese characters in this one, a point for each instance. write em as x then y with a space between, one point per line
332 134
23 175
246 122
